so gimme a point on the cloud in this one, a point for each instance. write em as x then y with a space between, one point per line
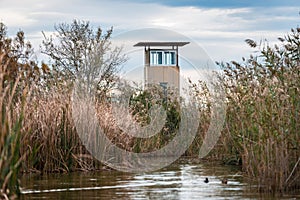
216 26
224 4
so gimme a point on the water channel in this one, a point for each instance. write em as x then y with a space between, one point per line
178 181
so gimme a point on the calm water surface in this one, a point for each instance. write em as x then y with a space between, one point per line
178 181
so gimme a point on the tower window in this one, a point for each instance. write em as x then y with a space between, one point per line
159 57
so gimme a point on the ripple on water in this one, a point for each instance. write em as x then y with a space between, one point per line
179 181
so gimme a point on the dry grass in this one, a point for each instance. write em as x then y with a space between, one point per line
263 114
12 109
261 129
262 124
52 140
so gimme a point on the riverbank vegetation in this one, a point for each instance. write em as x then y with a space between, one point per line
261 130
263 113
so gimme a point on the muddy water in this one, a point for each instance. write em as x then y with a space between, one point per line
178 181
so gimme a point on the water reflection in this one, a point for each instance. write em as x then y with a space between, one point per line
179 181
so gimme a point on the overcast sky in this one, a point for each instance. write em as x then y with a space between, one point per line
218 26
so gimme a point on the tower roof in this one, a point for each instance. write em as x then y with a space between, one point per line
160 44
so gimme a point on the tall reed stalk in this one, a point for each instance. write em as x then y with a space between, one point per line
263 113
12 109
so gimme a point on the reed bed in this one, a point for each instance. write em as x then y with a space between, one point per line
13 101
262 125
52 138
261 130
202 98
